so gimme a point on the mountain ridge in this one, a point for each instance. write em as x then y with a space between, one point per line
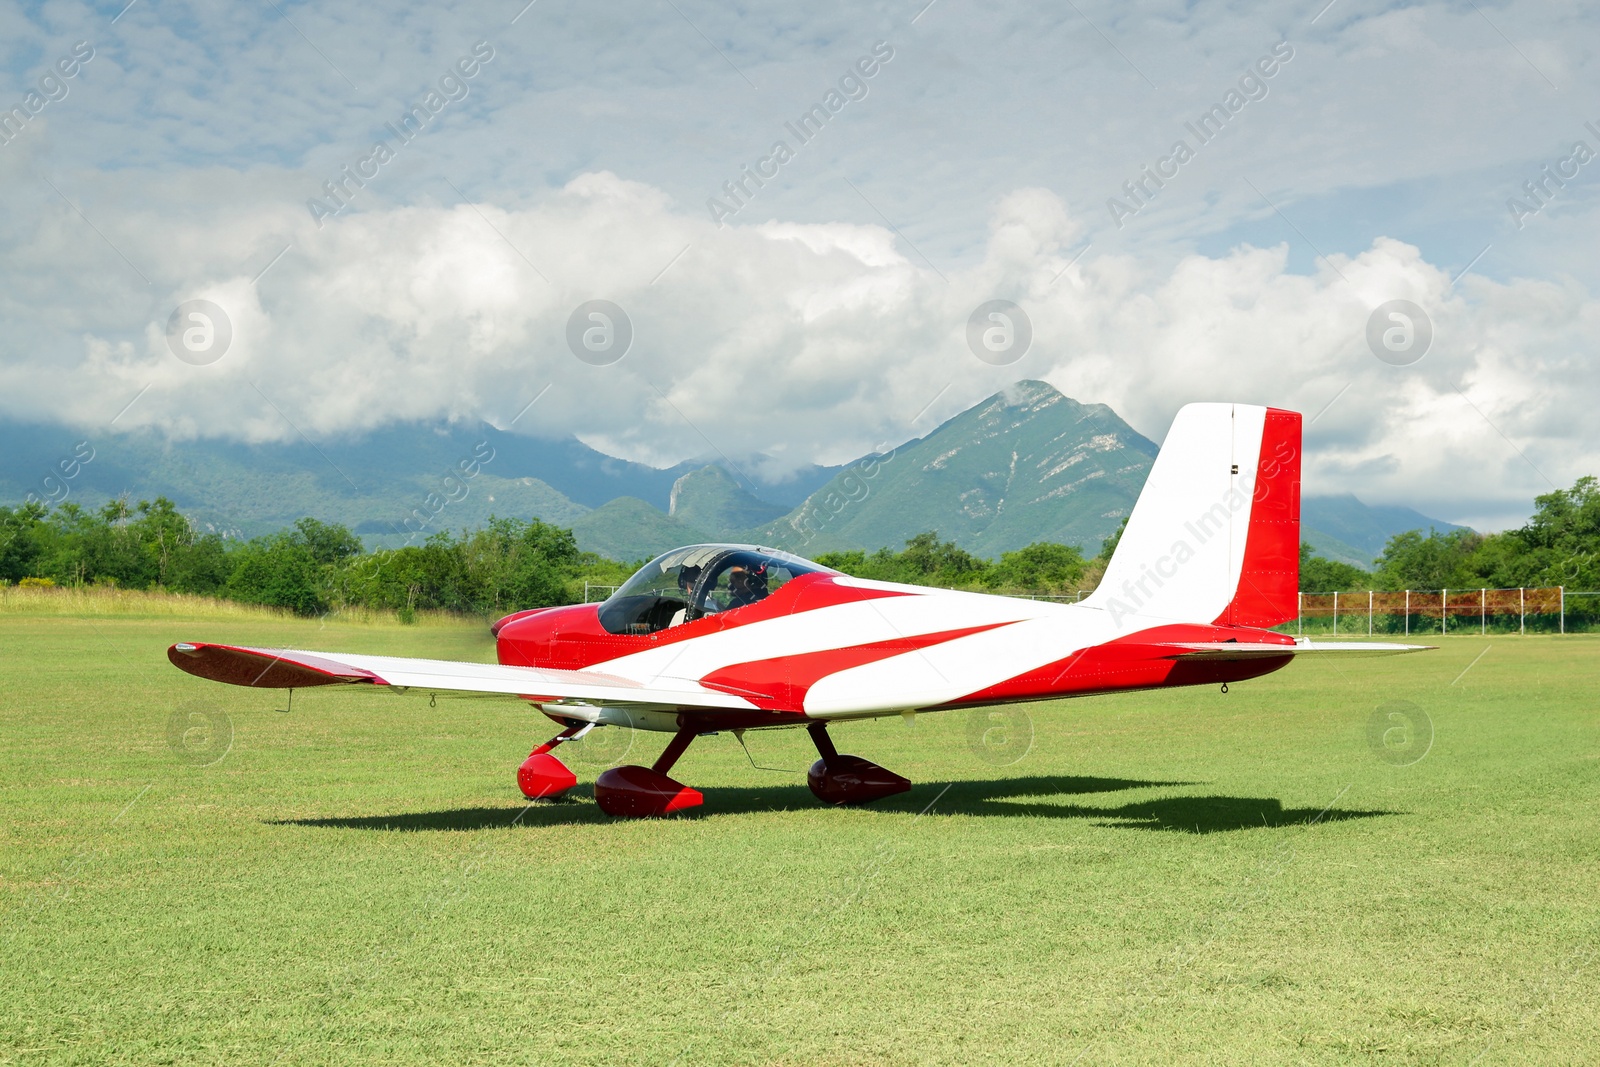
1063 471
1025 464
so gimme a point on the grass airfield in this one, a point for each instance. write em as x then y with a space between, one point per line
1265 876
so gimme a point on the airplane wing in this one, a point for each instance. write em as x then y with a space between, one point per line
1241 650
285 668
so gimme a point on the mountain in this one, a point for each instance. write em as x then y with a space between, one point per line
711 498
1343 528
386 486
630 529
592 478
1026 464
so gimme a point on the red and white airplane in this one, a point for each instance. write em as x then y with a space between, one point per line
737 637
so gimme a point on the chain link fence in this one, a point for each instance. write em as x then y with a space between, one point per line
1547 609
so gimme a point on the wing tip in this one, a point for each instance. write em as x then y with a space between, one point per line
261 668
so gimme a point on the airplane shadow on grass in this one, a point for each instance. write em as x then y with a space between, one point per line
1002 797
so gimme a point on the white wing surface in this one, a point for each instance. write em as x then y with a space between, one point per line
287 668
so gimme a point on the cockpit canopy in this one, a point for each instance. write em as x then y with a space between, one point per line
689 583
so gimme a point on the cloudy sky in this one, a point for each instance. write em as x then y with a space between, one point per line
1356 154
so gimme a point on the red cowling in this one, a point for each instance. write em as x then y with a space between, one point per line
853 780
639 791
542 775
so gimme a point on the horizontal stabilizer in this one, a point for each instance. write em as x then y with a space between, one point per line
1239 650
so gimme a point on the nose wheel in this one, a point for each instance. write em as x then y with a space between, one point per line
622 791
541 774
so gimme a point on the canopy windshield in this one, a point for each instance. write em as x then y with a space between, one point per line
688 583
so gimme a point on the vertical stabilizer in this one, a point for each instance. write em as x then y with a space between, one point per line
1215 535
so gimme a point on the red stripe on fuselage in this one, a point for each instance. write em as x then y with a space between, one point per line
1142 660
781 683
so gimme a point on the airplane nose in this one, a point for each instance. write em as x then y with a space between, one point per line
502 623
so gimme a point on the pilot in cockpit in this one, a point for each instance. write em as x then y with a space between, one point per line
688 584
687 577
746 586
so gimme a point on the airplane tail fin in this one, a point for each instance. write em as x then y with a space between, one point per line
1215 534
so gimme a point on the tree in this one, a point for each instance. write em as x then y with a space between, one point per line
278 571
513 563
941 562
328 543
22 540
109 547
853 562
1096 569
1319 575
508 565
1437 561
1041 567
1560 543
1109 545
516 564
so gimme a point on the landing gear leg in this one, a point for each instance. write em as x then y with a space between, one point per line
844 779
640 791
541 774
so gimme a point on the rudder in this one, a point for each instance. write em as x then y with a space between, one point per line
1268 590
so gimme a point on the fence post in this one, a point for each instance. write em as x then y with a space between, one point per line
1522 611
1299 614
1408 613
1369 613
1483 612
1444 612
1336 614
1563 609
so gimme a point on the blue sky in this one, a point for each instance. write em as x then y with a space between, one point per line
829 312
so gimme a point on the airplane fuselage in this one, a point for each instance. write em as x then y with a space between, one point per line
827 646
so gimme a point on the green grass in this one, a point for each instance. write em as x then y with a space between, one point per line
1167 877
97 601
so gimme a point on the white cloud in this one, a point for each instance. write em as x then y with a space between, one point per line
819 342
810 329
